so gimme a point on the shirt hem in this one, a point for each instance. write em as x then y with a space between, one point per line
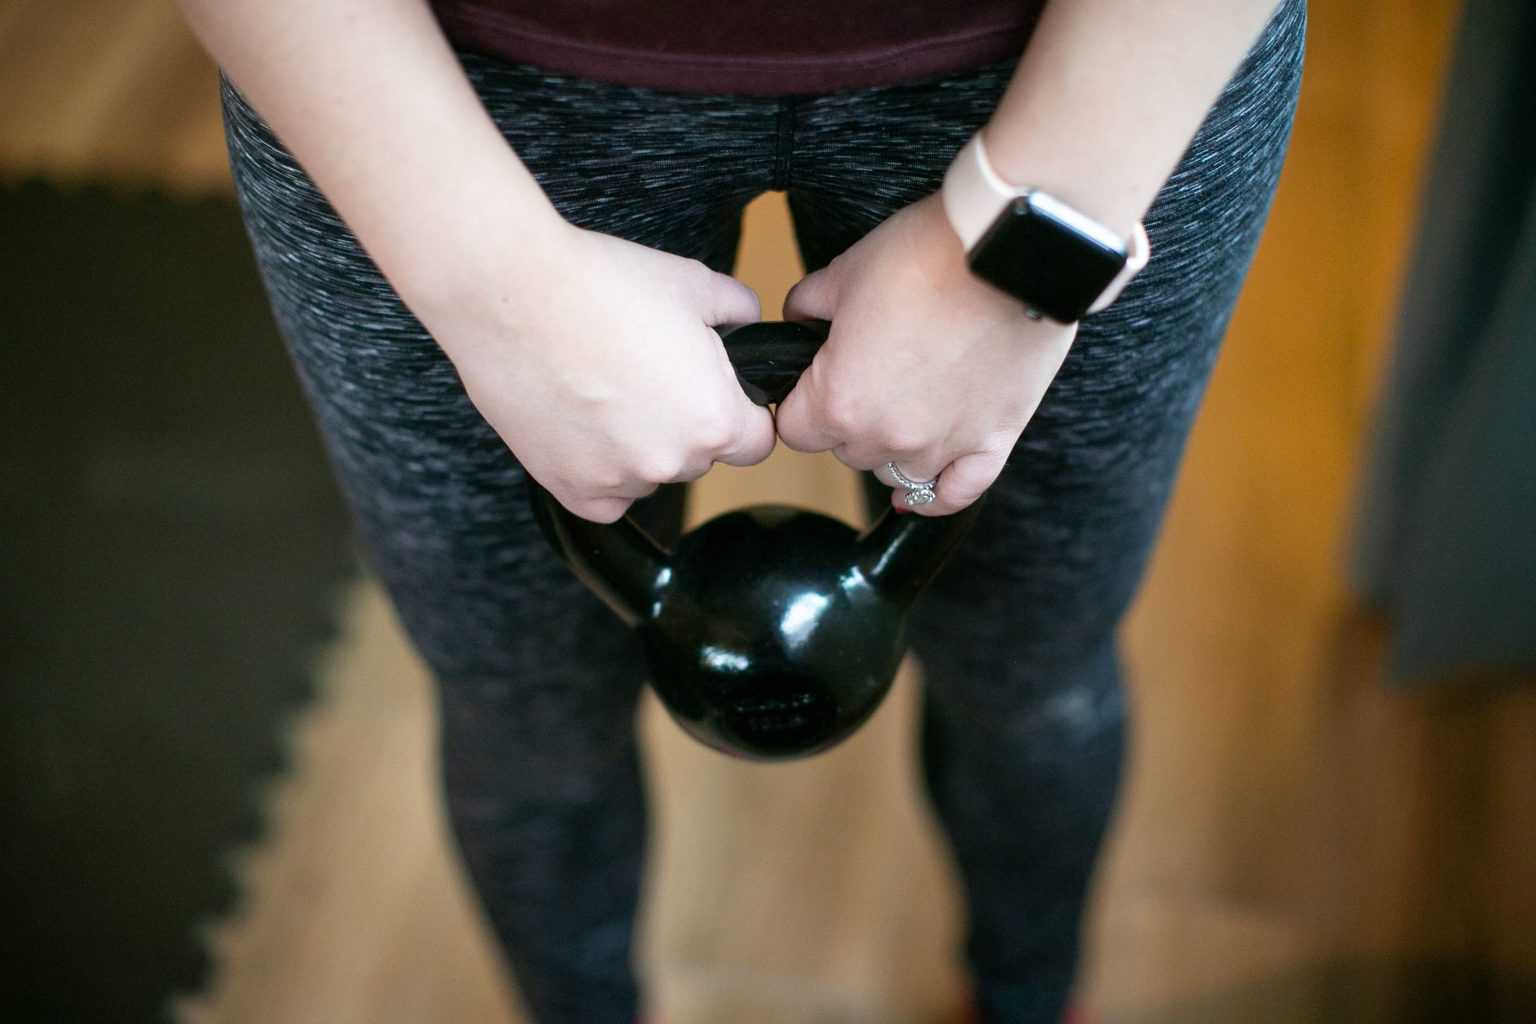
495 34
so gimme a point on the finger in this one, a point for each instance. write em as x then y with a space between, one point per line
753 436
600 510
913 467
729 301
813 297
871 448
755 441
960 484
798 418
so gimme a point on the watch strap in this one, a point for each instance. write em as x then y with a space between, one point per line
974 194
1138 249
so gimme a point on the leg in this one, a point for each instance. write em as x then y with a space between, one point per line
537 680
1023 726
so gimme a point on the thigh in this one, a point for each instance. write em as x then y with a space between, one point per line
1064 535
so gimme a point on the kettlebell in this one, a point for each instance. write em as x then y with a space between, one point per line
771 632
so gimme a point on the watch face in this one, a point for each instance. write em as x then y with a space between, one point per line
1047 256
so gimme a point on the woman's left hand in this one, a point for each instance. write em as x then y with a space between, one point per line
926 365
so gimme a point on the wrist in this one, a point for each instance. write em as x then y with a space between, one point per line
1099 188
489 237
479 236
1029 243
1108 95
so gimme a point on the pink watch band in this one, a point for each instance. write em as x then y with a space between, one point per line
973 194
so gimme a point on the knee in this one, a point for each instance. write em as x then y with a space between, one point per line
1049 710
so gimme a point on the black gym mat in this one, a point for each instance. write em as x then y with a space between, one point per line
171 551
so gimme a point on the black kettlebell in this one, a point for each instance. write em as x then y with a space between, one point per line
771 632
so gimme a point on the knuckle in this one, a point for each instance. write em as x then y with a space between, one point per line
714 435
697 468
900 438
840 411
698 273
658 467
999 442
604 482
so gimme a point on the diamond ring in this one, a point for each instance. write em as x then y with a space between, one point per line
919 492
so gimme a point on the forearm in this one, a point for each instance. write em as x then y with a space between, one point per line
1109 94
370 99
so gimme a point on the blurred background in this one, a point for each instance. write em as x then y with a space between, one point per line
219 799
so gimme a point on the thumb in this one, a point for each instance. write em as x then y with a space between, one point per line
729 301
814 296
756 440
754 432
797 421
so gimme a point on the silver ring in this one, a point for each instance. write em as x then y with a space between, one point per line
919 492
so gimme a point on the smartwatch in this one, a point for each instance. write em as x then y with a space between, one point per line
1056 260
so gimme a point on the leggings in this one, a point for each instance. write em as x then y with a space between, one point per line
1023 716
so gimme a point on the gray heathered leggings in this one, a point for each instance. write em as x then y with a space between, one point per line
1023 714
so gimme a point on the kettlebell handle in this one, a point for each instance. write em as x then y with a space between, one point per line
770 356
620 562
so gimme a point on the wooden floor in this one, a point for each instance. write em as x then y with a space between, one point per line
1283 815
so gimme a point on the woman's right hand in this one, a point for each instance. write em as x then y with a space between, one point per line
600 369
592 357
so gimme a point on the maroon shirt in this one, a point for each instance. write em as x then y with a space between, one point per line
749 47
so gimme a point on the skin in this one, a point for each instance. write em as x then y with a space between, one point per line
369 97
910 371
537 315
939 372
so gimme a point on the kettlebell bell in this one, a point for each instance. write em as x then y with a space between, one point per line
771 632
